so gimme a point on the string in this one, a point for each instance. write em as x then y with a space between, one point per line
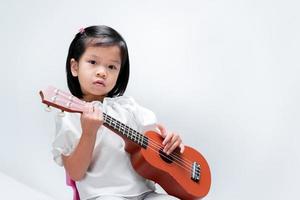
157 146
152 142
153 145
174 155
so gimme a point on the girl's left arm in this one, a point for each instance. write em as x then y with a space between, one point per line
171 140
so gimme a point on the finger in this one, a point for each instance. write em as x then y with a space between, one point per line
181 147
86 108
167 138
172 141
95 113
162 130
98 113
174 146
96 110
89 108
167 147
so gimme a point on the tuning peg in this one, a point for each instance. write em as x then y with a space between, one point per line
61 114
48 108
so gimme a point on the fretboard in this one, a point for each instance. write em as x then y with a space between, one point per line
126 131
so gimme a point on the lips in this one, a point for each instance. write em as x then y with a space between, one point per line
99 82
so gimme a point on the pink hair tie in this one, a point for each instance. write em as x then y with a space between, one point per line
81 30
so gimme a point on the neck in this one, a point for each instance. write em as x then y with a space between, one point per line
90 98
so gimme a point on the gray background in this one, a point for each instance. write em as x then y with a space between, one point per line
224 74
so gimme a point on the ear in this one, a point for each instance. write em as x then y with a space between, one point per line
74 67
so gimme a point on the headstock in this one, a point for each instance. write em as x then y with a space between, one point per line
64 101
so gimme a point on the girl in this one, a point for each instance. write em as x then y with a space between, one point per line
97 72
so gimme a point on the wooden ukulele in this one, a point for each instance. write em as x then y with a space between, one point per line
186 175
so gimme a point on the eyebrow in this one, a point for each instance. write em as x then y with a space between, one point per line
115 61
92 55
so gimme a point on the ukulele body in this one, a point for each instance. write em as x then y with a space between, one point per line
172 173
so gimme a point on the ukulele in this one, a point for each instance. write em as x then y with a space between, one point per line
184 175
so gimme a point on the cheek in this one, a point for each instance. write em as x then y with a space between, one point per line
114 81
83 80
114 75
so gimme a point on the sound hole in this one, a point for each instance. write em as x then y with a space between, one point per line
165 157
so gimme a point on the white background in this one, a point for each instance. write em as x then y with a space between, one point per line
224 74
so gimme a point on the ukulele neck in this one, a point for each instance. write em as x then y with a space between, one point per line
121 129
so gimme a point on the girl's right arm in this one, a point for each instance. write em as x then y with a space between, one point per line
78 162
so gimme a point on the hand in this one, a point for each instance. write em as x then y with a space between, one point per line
171 140
91 119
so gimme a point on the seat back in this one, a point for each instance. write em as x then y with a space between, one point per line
72 184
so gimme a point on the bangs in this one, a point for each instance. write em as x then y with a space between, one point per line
100 41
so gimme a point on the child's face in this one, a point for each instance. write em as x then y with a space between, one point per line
97 71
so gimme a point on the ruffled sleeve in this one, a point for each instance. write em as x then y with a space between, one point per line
66 138
144 118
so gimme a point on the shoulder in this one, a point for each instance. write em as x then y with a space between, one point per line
127 103
124 101
141 114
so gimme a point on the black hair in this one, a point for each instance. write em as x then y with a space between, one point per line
98 36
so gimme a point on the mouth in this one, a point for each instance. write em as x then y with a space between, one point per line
99 83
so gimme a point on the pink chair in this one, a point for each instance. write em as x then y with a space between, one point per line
72 184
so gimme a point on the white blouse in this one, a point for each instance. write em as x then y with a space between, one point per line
110 171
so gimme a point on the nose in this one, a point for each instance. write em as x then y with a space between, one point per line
101 72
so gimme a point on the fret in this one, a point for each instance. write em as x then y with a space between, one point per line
118 127
121 128
126 130
139 141
137 138
131 136
145 142
129 133
134 136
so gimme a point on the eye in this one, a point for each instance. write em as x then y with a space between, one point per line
112 67
93 62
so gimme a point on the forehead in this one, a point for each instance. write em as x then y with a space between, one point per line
112 53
